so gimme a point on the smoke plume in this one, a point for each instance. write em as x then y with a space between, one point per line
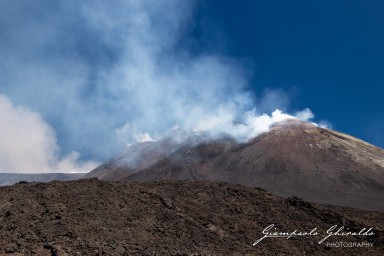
95 76
29 144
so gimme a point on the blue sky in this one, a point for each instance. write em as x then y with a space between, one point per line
81 80
327 55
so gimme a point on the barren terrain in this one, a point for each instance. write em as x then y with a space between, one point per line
92 217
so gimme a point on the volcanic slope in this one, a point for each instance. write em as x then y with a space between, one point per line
293 159
93 217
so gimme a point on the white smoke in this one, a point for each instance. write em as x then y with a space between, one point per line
105 74
28 143
305 115
252 124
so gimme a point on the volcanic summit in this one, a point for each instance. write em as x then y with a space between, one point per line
294 158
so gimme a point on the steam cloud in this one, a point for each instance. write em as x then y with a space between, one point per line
28 143
99 75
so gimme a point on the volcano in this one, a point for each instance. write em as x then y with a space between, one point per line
294 158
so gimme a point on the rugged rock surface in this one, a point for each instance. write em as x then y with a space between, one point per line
91 217
292 159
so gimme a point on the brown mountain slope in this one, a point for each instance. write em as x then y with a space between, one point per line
91 217
142 155
293 159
